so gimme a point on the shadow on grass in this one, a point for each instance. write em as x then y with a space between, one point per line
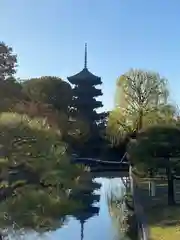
164 222
164 215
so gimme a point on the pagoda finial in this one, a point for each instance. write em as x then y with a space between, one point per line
82 230
85 56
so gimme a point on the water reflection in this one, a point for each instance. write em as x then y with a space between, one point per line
88 214
117 209
98 226
88 198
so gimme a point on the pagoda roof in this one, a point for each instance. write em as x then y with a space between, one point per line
84 74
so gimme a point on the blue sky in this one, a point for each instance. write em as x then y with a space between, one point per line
49 35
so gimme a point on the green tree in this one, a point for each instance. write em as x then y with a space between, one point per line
49 90
8 61
32 143
157 147
10 94
10 89
36 170
50 97
58 120
143 102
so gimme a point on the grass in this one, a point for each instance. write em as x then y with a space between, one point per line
163 220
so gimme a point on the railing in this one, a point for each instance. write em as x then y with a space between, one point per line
143 229
101 161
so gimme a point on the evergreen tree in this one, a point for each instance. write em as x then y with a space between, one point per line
8 61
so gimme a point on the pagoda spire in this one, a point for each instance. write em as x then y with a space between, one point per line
82 229
85 56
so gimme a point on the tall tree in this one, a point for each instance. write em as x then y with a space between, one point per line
49 90
50 97
8 61
143 101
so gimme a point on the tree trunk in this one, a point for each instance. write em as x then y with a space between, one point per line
140 120
171 200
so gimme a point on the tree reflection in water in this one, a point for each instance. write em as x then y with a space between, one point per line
32 207
117 208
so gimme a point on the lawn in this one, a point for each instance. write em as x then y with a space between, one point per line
163 220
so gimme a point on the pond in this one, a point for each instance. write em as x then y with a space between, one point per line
93 225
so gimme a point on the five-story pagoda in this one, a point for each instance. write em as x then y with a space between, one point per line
84 102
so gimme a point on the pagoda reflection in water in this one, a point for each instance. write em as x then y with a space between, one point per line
88 198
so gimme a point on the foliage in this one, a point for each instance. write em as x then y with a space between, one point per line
50 98
78 131
55 119
42 173
143 89
163 114
32 143
143 102
10 94
155 146
35 208
121 210
49 90
8 61
71 130
118 126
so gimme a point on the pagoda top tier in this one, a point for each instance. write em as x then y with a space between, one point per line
85 75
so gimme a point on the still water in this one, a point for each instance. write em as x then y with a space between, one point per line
99 226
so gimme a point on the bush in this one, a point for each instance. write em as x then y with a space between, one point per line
36 166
